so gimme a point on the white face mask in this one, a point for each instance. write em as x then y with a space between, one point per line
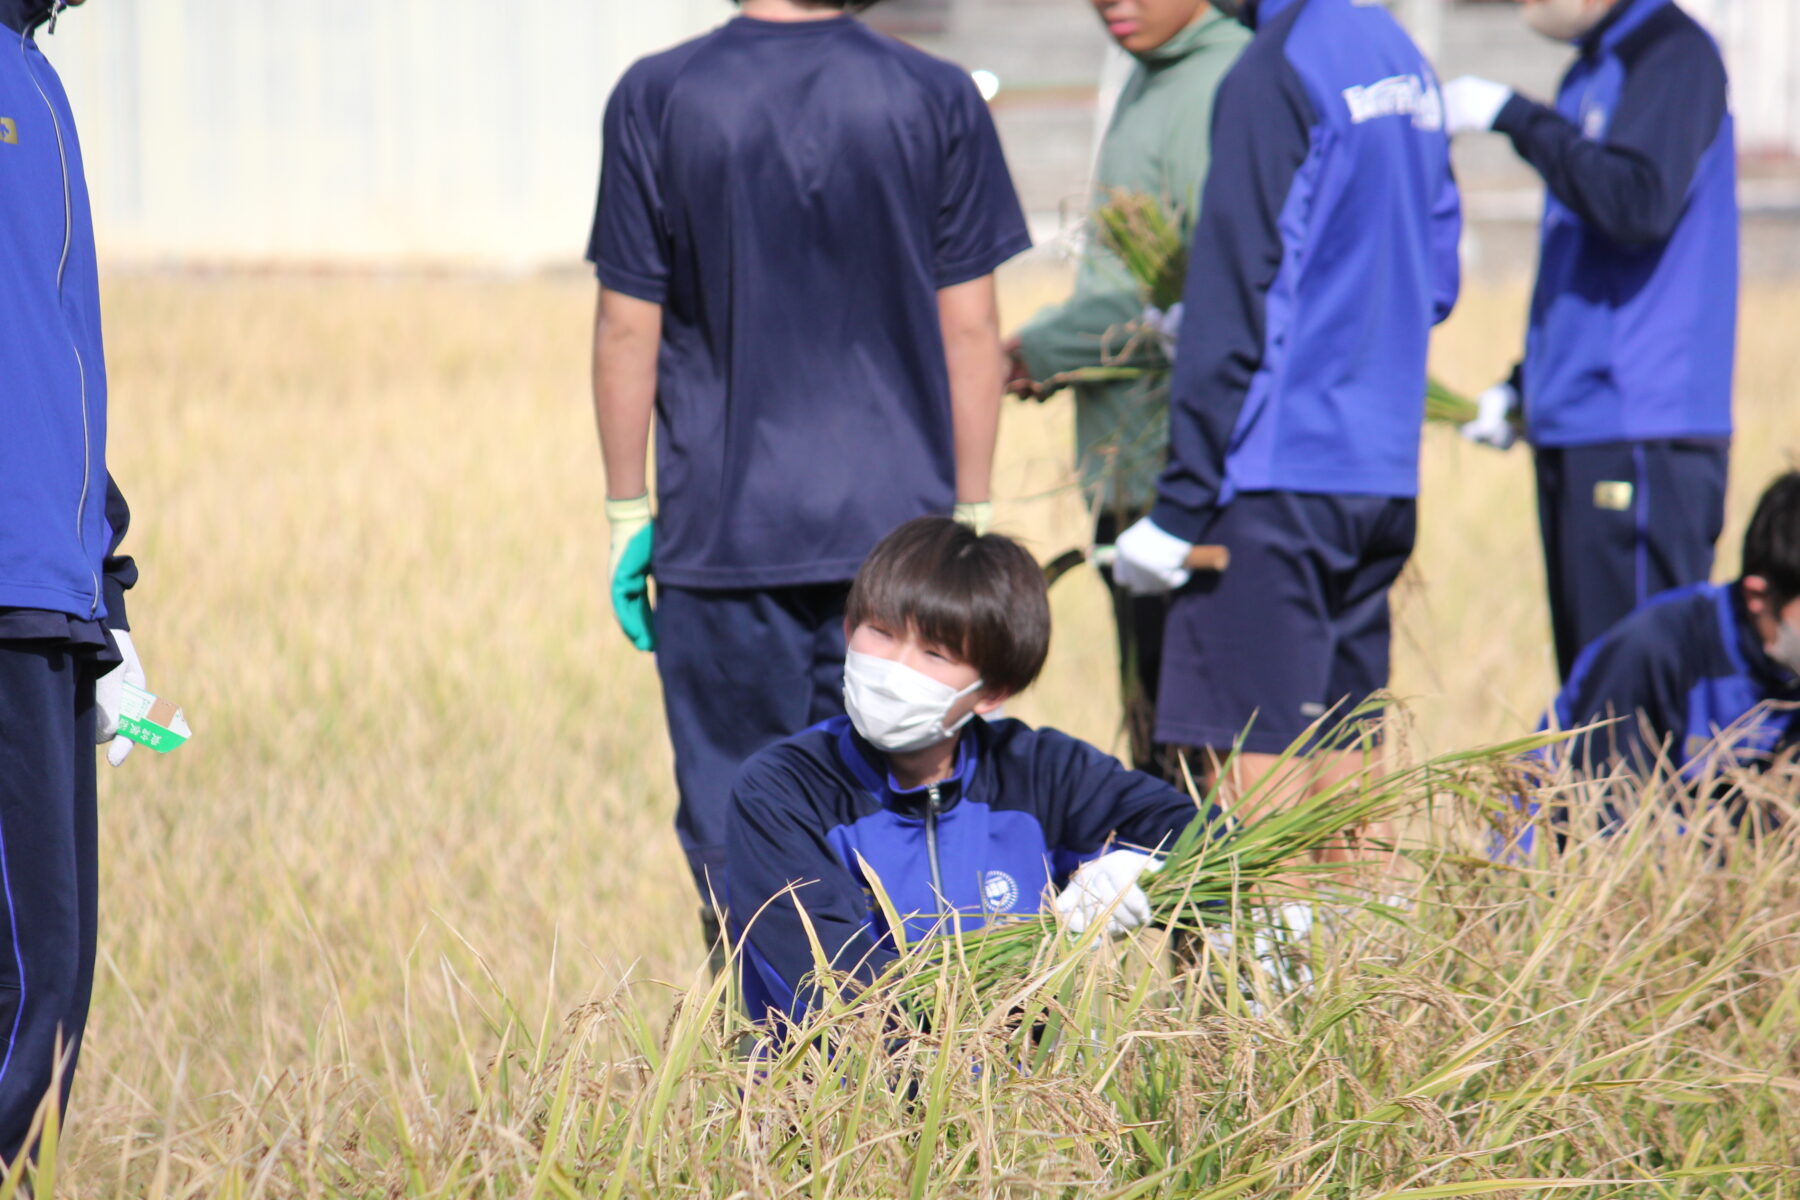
1786 649
897 708
1564 20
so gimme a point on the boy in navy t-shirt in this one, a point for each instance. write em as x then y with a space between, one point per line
960 820
796 234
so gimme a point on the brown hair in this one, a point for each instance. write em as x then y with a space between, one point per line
981 597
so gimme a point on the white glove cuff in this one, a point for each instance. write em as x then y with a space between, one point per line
626 511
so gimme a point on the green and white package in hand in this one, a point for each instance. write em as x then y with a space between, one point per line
152 721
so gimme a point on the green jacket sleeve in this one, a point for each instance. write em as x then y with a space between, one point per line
1086 330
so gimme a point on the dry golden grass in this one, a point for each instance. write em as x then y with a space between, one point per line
368 513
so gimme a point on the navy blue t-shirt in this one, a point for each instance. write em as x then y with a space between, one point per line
794 194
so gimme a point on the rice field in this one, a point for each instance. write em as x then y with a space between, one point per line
406 917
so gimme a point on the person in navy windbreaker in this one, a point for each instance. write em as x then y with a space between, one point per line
1625 389
1325 252
64 649
958 816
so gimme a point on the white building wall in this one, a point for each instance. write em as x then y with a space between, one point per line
352 130
1761 41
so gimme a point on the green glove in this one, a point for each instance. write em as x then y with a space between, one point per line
633 539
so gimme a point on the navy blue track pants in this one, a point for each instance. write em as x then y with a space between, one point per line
48 873
1622 522
740 671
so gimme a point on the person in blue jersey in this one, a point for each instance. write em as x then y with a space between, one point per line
958 816
1704 680
797 228
1326 250
65 653
1625 388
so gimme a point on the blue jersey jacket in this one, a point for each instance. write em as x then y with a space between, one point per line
1634 319
1326 250
1679 672
820 813
59 515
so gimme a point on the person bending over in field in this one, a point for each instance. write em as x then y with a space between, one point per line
1703 680
956 819
797 229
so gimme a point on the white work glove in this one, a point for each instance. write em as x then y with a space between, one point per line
1493 426
109 697
1097 885
976 514
1165 325
1148 561
1472 104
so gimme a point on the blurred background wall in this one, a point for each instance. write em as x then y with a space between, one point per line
466 132
454 131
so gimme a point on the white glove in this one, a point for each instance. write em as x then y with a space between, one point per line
1094 889
109 697
1472 104
1165 325
1149 561
1493 426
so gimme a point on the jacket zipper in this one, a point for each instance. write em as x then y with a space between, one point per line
62 266
932 800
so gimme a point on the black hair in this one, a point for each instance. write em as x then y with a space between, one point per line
981 597
1772 543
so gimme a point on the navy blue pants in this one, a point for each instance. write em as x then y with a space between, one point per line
1622 522
48 875
740 671
1296 629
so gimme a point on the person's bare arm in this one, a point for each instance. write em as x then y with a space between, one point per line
970 316
627 337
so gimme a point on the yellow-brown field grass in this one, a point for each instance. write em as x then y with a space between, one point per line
427 771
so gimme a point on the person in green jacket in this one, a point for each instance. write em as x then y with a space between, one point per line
1157 144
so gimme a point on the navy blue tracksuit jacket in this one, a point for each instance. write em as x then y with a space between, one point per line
1676 674
1326 250
819 812
1634 320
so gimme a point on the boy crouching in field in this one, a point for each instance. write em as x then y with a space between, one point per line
1703 681
1699 687
959 819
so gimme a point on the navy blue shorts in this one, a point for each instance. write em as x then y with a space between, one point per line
1622 522
1298 627
740 671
